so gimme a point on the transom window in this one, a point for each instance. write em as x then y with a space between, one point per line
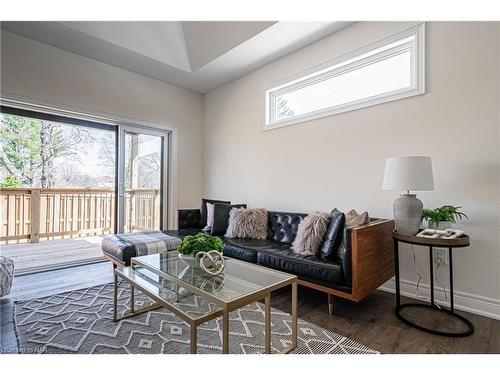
392 69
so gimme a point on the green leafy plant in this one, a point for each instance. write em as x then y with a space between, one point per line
444 213
192 245
10 181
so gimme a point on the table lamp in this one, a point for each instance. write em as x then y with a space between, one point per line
404 174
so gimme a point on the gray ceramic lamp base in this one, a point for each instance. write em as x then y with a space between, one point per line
408 211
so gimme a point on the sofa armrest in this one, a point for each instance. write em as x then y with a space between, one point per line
189 218
372 256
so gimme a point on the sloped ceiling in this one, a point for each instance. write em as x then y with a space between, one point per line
206 41
198 55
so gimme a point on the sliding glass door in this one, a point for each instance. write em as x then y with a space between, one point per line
57 189
66 182
142 173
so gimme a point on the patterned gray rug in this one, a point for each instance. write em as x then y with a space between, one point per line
80 322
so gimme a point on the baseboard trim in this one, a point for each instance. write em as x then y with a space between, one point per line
479 305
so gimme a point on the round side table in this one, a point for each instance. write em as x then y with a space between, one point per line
462 241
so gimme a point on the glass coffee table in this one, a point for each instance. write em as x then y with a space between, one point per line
169 281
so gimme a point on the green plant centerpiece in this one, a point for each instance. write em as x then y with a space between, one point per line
202 251
192 245
443 214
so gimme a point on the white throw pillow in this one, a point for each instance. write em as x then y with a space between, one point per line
210 217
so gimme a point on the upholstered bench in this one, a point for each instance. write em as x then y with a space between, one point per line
120 248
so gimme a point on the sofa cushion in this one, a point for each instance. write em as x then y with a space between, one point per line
283 226
246 249
333 235
311 267
221 217
203 210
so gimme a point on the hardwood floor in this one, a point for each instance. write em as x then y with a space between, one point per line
371 322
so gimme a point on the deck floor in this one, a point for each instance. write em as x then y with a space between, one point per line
52 253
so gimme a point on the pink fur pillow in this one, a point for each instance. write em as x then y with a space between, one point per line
311 233
247 223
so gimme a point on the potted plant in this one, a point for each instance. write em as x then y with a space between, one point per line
192 245
441 217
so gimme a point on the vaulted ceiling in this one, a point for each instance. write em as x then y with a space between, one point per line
198 55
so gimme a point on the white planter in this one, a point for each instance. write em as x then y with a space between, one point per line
189 260
442 225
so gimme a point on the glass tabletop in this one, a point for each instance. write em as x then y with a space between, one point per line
238 279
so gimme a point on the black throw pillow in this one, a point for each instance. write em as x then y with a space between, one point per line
203 211
333 235
221 217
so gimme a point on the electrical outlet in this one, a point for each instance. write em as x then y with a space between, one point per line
440 256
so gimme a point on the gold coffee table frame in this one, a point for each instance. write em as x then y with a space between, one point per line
129 274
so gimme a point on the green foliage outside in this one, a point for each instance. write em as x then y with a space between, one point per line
444 213
10 181
29 148
192 245
283 110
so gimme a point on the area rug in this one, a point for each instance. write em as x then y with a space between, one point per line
81 322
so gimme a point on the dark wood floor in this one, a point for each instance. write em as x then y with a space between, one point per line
371 322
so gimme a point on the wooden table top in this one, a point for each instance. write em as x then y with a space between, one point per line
461 241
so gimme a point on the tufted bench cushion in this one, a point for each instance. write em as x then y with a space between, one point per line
122 251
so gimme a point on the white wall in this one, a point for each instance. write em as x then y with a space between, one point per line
338 161
38 71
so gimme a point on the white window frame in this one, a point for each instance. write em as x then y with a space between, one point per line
343 65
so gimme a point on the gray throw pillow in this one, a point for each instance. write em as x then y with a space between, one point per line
310 233
247 223
352 219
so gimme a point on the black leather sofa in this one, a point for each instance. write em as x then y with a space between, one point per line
366 264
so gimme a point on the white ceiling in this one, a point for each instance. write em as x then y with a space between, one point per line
196 55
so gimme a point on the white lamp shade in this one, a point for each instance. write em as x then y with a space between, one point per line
408 173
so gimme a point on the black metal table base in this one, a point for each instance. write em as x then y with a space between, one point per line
469 331
432 305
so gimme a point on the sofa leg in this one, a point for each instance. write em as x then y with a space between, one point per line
330 304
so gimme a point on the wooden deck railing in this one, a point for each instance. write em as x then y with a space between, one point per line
34 214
